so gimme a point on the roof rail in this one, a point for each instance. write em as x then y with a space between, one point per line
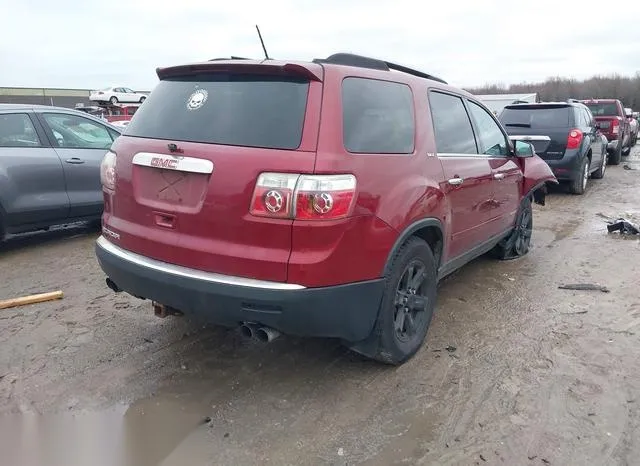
229 58
575 101
350 59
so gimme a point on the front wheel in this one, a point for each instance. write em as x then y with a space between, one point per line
599 173
407 306
113 100
142 99
519 240
616 157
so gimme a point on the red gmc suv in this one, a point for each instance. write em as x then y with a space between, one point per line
322 198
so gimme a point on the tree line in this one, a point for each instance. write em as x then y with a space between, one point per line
615 86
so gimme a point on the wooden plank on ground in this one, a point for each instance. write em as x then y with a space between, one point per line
31 299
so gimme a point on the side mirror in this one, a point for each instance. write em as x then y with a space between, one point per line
524 149
598 126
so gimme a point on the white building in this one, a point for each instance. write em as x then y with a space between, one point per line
496 102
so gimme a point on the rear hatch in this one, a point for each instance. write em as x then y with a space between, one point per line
606 114
188 163
552 120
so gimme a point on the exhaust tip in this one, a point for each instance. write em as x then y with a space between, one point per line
111 284
261 335
246 331
266 334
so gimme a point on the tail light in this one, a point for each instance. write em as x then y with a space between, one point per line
575 139
108 171
615 126
303 197
273 195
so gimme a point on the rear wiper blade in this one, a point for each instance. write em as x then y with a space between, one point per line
519 125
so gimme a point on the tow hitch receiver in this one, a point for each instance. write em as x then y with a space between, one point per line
162 311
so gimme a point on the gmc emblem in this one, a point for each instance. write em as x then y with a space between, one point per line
164 163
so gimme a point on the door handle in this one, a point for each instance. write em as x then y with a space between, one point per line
74 160
456 181
498 176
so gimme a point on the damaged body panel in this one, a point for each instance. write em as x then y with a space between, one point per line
536 172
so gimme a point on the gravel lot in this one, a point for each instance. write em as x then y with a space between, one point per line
515 370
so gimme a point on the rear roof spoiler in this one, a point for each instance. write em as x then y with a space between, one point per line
251 67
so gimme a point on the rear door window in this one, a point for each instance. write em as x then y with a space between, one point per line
377 117
536 117
451 124
228 109
17 130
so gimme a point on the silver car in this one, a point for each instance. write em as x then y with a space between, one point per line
50 166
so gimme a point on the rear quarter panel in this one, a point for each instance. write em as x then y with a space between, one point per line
393 191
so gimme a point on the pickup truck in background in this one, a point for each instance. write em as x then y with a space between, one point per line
614 125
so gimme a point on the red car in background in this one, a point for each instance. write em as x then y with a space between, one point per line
322 198
120 112
614 125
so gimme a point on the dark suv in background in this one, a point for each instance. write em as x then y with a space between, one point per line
612 120
577 149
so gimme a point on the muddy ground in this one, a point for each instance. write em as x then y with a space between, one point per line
515 370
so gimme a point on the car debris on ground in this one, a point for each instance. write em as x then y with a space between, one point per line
584 287
625 227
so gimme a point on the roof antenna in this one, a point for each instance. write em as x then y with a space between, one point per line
266 55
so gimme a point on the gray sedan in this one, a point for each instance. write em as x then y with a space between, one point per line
50 166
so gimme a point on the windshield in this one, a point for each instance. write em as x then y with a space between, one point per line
540 117
603 109
221 108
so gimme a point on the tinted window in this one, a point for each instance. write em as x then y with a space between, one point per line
586 117
16 130
377 117
536 117
490 135
75 132
231 109
603 109
451 125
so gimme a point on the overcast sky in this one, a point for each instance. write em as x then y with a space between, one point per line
98 43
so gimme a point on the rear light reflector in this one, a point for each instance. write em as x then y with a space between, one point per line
615 126
303 197
108 171
574 139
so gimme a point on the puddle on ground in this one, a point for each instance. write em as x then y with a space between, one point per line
144 433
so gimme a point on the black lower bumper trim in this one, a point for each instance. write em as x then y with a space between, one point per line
346 311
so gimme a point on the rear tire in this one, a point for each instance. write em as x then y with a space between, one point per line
406 308
518 242
599 173
616 156
579 184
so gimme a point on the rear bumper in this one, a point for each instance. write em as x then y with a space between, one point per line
346 311
568 167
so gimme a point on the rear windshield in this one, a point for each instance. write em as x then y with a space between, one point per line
229 109
603 109
527 117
